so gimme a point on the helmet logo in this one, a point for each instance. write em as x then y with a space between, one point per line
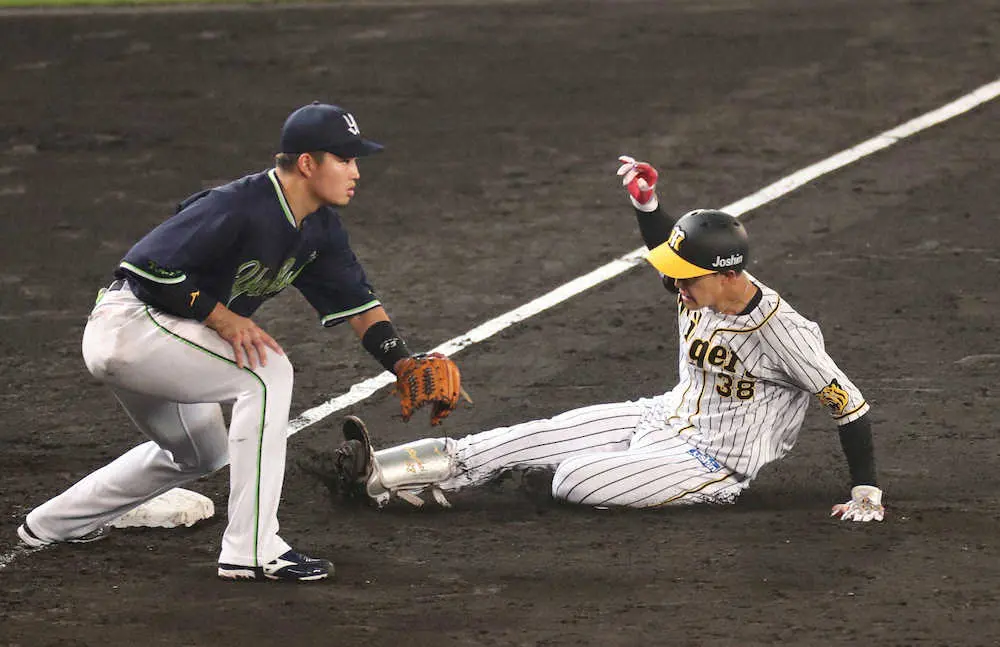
734 259
676 238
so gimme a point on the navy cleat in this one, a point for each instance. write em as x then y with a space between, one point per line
290 567
31 540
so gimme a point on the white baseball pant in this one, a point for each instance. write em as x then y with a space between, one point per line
620 454
170 375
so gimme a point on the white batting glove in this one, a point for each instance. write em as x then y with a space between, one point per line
865 505
640 180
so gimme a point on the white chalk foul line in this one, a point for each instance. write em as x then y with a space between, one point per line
365 389
785 185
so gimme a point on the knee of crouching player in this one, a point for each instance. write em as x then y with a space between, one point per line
277 375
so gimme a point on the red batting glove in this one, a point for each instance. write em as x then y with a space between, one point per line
640 180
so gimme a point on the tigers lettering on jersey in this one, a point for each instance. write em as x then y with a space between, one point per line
701 352
727 383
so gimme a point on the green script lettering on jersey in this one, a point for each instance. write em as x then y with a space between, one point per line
252 278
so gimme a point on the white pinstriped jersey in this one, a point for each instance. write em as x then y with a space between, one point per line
745 382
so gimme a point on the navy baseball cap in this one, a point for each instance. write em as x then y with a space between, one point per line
324 127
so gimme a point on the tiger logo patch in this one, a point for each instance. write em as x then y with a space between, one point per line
834 397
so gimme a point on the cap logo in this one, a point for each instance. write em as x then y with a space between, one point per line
352 124
676 238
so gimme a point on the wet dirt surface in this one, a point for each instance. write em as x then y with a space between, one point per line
502 123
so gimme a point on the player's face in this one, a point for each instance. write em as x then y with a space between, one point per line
701 291
334 179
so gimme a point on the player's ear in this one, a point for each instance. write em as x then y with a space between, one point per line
306 164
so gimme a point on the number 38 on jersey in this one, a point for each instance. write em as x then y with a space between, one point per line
727 384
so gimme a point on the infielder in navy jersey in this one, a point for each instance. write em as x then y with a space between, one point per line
173 338
748 365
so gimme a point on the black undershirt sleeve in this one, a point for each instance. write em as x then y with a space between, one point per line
654 226
856 440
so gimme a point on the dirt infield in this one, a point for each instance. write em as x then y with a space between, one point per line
502 123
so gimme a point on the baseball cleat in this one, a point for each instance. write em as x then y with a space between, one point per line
31 540
354 429
290 567
355 459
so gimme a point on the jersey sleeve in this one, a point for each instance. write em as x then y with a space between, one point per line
164 266
335 283
800 353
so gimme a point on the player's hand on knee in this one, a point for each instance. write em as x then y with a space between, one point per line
639 178
254 343
865 505
249 341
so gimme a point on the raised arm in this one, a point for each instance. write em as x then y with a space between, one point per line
639 179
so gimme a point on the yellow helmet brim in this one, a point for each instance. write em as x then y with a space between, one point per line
669 263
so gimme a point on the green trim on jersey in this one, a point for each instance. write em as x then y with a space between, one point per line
260 436
273 176
165 280
349 313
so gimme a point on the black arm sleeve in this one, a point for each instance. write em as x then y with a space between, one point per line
856 440
654 226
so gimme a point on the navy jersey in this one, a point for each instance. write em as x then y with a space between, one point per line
238 244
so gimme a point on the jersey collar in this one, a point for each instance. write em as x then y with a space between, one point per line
273 175
754 301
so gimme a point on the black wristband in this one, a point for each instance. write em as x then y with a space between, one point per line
856 441
385 344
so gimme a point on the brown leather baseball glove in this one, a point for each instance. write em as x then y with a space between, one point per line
429 378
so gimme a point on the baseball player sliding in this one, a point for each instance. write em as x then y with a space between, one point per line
173 338
748 363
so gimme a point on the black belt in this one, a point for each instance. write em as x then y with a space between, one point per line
117 284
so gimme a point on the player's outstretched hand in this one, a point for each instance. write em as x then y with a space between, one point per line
865 505
247 338
640 180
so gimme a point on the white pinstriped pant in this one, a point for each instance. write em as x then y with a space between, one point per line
620 454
